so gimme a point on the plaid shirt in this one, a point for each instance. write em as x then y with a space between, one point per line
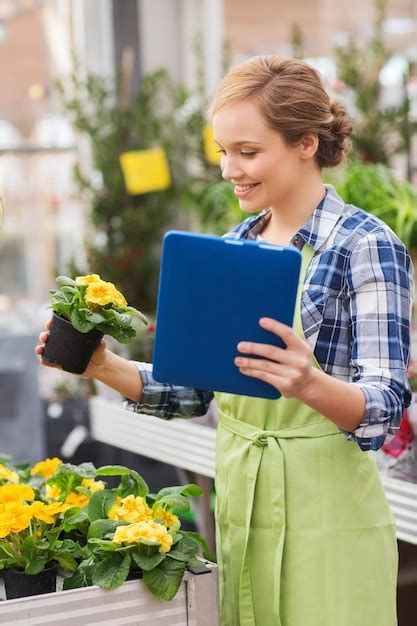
355 311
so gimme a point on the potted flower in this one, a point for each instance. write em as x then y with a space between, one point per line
30 544
134 534
84 310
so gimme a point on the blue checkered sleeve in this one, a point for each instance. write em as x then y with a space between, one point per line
168 401
380 287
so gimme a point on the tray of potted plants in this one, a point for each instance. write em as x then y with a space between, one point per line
67 517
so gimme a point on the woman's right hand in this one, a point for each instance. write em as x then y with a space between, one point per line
97 362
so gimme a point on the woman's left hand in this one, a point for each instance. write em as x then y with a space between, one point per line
289 370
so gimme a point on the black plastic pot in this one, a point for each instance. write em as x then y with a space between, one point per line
18 584
69 348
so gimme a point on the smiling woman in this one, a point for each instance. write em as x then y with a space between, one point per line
305 536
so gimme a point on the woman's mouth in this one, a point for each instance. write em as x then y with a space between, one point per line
241 191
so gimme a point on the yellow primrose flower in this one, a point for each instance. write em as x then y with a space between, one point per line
148 530
14 517
119 299
167 518
99 293
86 280
46 468
75 499
93 485
16 493
130 509
52 492
8 474
47 512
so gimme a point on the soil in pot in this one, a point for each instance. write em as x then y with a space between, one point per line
18 584
68 348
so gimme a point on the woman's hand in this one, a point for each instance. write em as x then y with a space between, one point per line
97 362
289 370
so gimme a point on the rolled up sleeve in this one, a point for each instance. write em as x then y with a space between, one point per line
380 288
168 401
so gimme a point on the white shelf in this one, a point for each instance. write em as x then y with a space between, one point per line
191 446
178 442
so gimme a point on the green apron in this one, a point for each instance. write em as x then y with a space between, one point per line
304 533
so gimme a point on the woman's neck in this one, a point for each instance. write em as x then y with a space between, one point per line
292 212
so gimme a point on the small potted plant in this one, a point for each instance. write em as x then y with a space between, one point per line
84 310
133 534
30 544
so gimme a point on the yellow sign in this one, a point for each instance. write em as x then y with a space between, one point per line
145 170
211 149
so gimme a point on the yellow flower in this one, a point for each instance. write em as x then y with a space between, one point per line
99 293
16 493
93 485
47 512
130 509
46 468
14 517
8 474
148 530
119 299
75 499
52 492
86 280
167 518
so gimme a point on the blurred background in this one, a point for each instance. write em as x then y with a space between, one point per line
85 81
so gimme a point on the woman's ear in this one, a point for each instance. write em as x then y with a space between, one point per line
309 146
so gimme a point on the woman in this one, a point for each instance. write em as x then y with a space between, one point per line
305 537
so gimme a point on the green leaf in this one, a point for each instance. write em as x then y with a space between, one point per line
65 281
104 544
185 549
66 561
164 580
36 565
100 504
28 548
112 570
95 318
147 562
79 322
81 578
138 485
186 490
101 527
203 543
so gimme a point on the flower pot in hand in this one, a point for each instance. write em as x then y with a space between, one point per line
69 348
85 309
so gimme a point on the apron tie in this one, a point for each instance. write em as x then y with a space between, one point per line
270 440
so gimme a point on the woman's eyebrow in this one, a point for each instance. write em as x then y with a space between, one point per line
240 143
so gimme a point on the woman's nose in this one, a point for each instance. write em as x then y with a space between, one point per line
230 171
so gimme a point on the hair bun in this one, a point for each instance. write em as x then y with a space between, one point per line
341 128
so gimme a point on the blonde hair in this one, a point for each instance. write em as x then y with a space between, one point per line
291 97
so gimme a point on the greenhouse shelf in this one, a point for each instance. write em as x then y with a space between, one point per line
131 604
192 446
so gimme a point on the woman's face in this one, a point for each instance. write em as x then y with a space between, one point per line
263 168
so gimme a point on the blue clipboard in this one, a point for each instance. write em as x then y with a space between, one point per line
212 293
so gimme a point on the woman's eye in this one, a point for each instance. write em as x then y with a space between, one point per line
249 155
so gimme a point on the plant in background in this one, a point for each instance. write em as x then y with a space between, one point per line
377 133
375 189
124 242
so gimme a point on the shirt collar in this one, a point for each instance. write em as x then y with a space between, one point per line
316 230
